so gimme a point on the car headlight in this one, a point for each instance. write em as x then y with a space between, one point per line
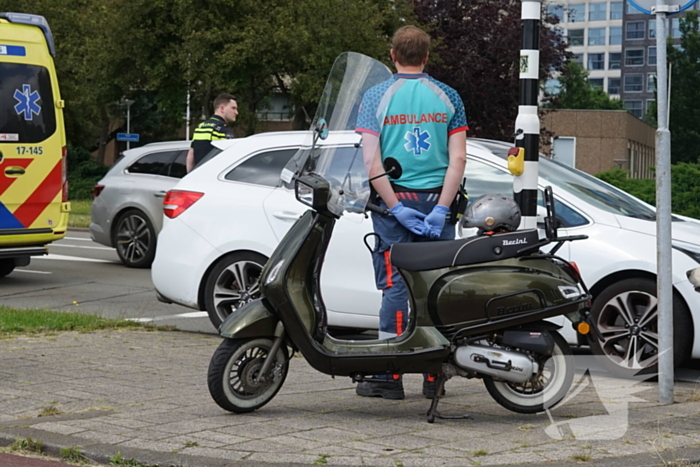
305 194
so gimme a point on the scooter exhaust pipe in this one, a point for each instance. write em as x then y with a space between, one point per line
510 366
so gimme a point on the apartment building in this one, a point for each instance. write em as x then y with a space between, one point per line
595 33
616 44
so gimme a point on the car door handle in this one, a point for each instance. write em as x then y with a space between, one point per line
160 194
286 215
14 171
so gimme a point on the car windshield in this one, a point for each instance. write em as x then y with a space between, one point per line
587 187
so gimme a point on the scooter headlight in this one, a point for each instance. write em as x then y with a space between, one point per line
274 271
305 194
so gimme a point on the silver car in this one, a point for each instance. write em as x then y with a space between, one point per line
127 211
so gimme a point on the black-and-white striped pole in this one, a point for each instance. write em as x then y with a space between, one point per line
527 125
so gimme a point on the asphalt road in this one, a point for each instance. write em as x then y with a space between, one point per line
81 275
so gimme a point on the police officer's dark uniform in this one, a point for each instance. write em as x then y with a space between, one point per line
213 129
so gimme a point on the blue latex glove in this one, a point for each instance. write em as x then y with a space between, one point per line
410 218
435 221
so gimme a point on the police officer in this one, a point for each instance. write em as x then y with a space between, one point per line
213 129
422 123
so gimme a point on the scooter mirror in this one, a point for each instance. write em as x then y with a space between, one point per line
392 167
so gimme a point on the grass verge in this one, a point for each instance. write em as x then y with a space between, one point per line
80 213
14 321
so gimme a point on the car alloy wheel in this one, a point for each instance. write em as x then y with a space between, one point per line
135 239
233 282
626 314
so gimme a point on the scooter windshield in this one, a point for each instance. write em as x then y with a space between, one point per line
332 149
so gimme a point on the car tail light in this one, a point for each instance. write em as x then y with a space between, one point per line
176 202
97 190
574 271
64 179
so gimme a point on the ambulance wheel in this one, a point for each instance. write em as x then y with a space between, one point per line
6 266
135 239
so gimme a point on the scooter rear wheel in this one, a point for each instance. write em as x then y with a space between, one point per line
234 373
549 387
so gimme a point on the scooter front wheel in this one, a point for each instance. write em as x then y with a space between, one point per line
545 390
234 377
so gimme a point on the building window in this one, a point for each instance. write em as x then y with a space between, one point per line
675 26
575 37
651 56
634 57
652 28
613 85
634 107
597 11
616 10
596 83
614 60
577 13
596 61
616 35
557 11
577 58
635 30
650 106
596 36
632 10
651 82
634 83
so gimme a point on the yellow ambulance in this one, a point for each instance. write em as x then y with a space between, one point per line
33 180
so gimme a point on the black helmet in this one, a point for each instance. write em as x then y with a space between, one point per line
492 213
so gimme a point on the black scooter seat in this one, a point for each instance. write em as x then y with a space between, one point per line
425 256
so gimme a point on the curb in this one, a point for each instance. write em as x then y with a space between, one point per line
101 453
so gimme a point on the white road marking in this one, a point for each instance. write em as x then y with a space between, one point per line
33 272
81 246
194 314
72 258
78 238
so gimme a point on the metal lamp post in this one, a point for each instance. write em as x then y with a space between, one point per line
128 103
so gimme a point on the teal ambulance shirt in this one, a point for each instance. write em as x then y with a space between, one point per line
413 115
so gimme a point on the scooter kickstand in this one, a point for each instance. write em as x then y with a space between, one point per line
433 411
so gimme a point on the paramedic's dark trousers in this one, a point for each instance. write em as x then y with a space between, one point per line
393 314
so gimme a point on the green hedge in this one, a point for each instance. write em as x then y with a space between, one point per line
83 173
685 187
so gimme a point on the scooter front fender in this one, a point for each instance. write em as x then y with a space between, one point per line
251 320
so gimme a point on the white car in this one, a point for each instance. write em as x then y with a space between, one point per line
225 218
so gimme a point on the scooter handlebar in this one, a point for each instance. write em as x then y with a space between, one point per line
377 210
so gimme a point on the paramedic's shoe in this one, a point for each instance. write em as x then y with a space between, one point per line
389 389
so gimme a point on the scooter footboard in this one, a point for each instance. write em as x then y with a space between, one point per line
251 320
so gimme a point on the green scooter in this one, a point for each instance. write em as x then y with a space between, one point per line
478 305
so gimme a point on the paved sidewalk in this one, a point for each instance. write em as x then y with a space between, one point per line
144 394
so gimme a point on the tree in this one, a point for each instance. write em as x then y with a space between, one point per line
685 92
479 48
577 93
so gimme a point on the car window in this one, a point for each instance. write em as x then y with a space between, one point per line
262 169
27 112
483 178
585 186
155 163
595 192
177 166
567 216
